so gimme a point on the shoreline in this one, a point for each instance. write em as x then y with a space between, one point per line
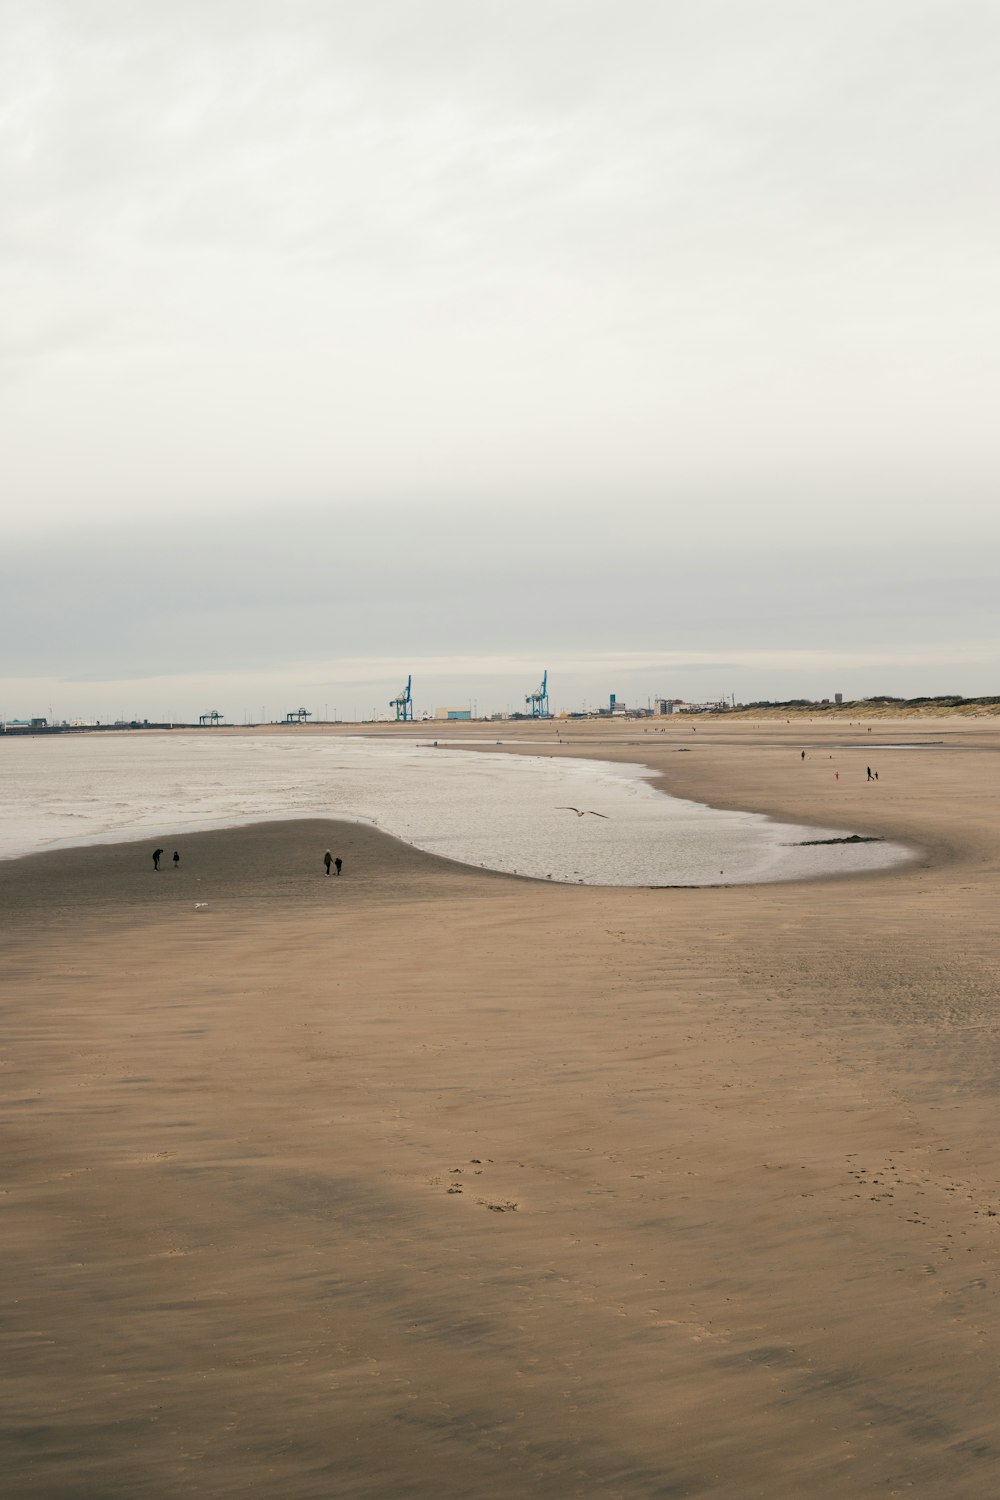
644 758
274 862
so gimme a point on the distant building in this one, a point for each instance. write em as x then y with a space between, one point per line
838 697
453 713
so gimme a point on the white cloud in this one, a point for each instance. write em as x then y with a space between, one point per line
622 291
308 249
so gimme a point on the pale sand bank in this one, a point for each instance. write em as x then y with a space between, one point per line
750 1135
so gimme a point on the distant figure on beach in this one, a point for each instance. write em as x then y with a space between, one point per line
338 864
803 755
156 858
870 776
876 776
177 859
328 861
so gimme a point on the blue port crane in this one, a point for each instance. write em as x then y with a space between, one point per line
538 702
404 703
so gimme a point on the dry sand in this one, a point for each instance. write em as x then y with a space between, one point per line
430 1183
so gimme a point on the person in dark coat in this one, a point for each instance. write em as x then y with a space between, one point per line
339 863
328 861
177 859
156 858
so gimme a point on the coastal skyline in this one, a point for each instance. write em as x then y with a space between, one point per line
656 349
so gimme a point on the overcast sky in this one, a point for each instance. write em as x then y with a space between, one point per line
655 343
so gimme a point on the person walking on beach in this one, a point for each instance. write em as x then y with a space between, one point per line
803 755
870 776
328 861
156 858
177 859
339 864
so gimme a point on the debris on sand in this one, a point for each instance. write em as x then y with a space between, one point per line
852 838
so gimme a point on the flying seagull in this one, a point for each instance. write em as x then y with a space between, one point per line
581 812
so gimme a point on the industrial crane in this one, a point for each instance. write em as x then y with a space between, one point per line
404 703
538 702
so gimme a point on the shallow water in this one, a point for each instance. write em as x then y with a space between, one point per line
502 812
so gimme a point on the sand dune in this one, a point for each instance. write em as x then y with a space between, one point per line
426 1182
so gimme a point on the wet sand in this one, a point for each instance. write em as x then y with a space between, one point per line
426 1182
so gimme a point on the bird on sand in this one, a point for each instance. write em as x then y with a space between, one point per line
581 812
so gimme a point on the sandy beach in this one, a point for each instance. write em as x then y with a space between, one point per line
428 1182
